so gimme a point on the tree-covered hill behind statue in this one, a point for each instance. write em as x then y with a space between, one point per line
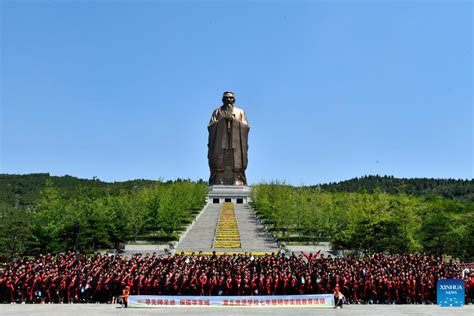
367 222
460 190
23 190
41 213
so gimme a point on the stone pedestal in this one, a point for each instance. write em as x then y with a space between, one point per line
238 194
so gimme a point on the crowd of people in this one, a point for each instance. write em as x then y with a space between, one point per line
379 278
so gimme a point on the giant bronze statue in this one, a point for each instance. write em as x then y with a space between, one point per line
227 147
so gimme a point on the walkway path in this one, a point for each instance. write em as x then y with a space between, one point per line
253 237
114 309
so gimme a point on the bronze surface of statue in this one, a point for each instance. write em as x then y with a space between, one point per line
228 143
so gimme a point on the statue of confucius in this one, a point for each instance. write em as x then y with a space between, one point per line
228 143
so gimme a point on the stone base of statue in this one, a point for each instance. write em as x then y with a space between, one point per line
238 194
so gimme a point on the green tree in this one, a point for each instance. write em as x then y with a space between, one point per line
135 208
116 214
93 224
466 249
15 232
436 231
48 216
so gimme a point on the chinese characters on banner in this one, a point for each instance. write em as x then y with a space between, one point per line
322 300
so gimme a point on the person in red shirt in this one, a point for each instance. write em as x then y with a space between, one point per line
238 285
202 284
254 285
213 285
269 285
246 286
228 290
9 289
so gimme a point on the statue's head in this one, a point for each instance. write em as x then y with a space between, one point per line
228 97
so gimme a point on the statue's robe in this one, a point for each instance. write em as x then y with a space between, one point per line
228 146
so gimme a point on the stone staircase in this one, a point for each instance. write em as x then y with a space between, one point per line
253 237
201 235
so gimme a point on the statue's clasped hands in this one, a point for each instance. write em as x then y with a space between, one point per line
228 116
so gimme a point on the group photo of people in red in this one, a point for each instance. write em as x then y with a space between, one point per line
375 279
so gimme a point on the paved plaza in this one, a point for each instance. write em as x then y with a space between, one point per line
108 309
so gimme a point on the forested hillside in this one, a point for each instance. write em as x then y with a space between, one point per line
367 222
460 190
23 190
40 213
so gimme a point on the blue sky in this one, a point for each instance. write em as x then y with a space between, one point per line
332 89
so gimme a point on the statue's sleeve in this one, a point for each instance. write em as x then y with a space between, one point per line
211 142
244 118
214 117
217 137
240 133
244 132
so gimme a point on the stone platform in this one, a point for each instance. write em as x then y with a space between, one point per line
239 194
